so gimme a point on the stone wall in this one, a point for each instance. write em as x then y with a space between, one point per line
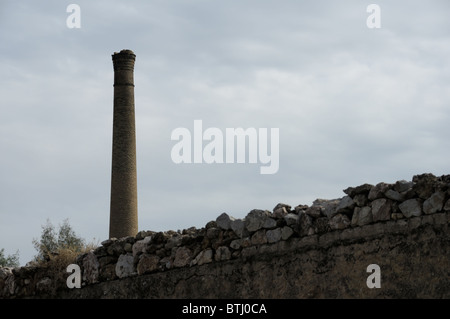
317 251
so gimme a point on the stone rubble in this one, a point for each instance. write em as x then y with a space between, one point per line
229 238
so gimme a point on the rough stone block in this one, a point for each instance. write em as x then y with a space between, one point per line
236 244
286 232
140 245
411 207
427 220
362 189
183 257
305 223
255 219
321 224
403 186
360 200
238 226
259 237
273 235
281 210
424 185
222 253
414 223
339 221
291 219
314 211
362 216
270 223
91 268
224 221
329 206
204 257
125 266
147 264
434 203
345 205
378 191
381 209
394 195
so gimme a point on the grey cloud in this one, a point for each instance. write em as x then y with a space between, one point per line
353 105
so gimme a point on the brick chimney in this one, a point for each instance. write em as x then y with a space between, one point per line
123 214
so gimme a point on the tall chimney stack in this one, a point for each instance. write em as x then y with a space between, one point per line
123 215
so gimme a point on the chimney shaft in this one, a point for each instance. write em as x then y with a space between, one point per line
123 214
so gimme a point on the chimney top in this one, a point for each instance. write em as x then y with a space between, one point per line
123 60
125 51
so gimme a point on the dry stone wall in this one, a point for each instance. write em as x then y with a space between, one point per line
317 251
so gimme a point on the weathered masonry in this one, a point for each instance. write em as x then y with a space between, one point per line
124 206
317 251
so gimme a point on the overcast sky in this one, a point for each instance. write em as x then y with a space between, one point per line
353 105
